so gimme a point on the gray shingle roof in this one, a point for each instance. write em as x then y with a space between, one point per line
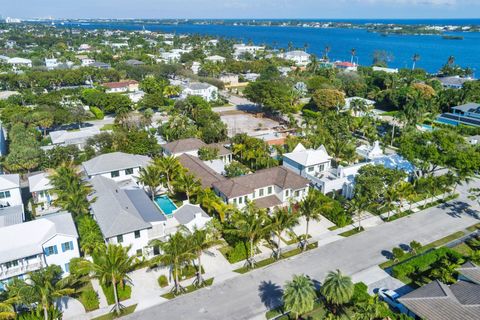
118 211
470 271
200 170
114 161
11 215
9 181
186 213
184 145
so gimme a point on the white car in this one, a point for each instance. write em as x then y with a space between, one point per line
390 297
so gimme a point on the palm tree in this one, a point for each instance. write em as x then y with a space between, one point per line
7 311
337 289
151 177
313 64
92 238
176 252
111 267
310 209
188 184
171 91
171 168
451 60
199 241
282 219
391 195
415 58
327 50
357 206
251 224
299 295
43 287
353 52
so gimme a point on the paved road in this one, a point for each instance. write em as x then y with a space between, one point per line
249 296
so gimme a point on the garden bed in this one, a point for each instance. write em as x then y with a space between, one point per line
123 293
188 289
351 232
88 297
124 312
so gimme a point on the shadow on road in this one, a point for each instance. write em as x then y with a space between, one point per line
271 294
387 254
457 208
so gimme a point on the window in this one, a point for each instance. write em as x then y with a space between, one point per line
51 250
234 200
129 171
114 174
245 199
240 200
260 193
120 239
139 252
322 167
287 193
67 246
11 264
67 267
270 189
310 169
137 234
4 194
297 193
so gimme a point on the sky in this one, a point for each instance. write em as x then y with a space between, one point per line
347 9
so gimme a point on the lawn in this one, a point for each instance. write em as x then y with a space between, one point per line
108 126
124 312
88 297
398 215
351 232
463 249
123 293
188 289
474 227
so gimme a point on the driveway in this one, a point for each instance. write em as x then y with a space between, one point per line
250 295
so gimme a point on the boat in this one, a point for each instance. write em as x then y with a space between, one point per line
450 37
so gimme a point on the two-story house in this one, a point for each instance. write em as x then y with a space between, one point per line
42 195
204 90
268 188
33 245
116 165
121 86
11 203
307 162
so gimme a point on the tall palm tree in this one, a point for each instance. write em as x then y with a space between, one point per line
281 220
188 184
92 238
357 207
111 267
151 177
251 224
415 58
199 241
310 209
176 252
43 287
337 289
299 295
451 60
314 64
353 53
391 195
327 51
171 168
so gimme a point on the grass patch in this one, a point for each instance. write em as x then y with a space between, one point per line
437 202
124 312
463 249
88 297
333 228
108 126
188 289
123 293
268 261
432 245
473 228
399 215
351 232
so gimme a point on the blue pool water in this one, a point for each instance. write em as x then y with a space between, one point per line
165 204
447 121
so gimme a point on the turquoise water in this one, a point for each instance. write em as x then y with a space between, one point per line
447 121
165 204
434 51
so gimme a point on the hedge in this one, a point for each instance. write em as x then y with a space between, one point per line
89 299
162 281
360 293
123 293
237 253
423 262
99 115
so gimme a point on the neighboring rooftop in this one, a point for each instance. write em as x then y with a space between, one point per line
39 182
469 107
184 145
114 161
200 170
119 84
9 181
191 216
73 137
197 86
308 157
11 215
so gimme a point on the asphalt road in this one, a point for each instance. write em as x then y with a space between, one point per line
249 296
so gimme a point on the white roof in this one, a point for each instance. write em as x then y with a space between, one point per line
39 182
9 181
308 157
72 137
19 60
215 58
26 239
349 100
387 70
7 94
370 152
296 53
109 162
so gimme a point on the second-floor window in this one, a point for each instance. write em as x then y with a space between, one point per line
260 193
269 190
11 264
137 234
4 194
67 246
51 250
120 239
114 174
129 171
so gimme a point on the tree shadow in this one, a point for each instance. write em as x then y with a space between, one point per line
457 208
387 254
404 247
271 294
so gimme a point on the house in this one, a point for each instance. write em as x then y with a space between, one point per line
87 62
116 165
200 170
438 301
215 59
42 195
466 114
11 203
126 216
241 49
387 70
345 65
230 79
250 76
134 63
20 62
121 86
76 137
370 152
268 188
192 145
51 64
4 95
204 90
307 162
196 66
474 140
100 65
84 47
33 245
454 82
170 56
191 216
300 58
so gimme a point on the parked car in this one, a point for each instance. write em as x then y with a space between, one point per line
390 297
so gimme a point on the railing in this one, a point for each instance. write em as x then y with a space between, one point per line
20 269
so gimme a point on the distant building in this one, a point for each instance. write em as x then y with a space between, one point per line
20 62
121 86
41 189
134 63
387 70
215 59
75 137
300 58
192 145
345 65
466 114
201 89
240 49
196 66
4 95
11 202
455 82
230 79
115 165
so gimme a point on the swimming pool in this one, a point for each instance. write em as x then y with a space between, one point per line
165 204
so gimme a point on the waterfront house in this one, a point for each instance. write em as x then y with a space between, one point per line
121 86
204 90
345 65
11 203
300 58
466 114
33 245
115 165
454 82
383 69
241 49
267 188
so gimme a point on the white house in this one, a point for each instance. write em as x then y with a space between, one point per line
33 245
240 49
196 66
300 58
116 165
170 56
51 64
76 137
191 216
41 189
201 89
10 194
307 162
121 86
20 62
268 188
370 152
230 79
215 59
387 70
87 62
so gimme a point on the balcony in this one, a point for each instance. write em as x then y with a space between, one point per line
22 268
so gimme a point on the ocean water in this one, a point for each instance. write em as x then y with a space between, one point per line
433 50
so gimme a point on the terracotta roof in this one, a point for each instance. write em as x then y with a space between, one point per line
278 176
200 170
120 84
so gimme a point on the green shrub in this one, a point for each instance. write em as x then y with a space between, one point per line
123 293
398 253
99 115
89 299
237 253
360 293
162 281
